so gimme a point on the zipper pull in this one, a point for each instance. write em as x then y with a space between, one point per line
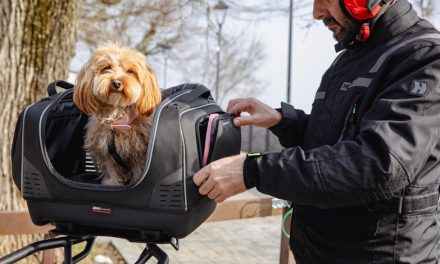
353 112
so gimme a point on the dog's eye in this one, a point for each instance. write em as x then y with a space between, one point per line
106 68
130 71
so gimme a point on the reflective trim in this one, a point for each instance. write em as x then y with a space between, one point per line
384 56
320 95
22 149
362 82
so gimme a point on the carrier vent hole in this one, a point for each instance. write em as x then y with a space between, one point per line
171 196
31 184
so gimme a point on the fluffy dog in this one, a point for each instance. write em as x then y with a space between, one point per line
119 92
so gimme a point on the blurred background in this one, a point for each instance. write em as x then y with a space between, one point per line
183 41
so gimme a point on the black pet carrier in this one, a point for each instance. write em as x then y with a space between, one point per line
61 185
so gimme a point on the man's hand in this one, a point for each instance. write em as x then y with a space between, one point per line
222 178
261 114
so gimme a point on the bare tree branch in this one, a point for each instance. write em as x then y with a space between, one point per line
186 25
426 6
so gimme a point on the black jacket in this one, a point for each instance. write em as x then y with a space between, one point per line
363 168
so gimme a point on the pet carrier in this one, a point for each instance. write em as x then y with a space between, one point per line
61 186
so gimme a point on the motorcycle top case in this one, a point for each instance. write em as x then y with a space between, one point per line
61 185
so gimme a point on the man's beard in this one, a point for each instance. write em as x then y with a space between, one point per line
344 35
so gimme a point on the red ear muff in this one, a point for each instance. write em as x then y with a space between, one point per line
359 9
365 13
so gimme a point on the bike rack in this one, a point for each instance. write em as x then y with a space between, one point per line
67 242
151 250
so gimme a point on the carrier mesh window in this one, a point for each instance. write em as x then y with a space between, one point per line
64 139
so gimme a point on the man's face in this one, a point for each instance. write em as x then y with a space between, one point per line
334 18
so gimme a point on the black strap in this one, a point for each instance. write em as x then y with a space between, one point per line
406 204
386 4
51 88
115 155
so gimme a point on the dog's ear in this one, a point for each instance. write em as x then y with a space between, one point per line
150 92
83 92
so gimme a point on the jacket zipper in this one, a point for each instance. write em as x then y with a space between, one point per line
350 118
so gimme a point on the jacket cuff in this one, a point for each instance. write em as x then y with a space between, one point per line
250 172
288 116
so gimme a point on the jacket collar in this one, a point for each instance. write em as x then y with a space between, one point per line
398 18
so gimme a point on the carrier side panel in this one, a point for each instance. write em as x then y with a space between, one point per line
33 184
164 176
33 173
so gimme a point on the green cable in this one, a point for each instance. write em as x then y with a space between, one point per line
286 215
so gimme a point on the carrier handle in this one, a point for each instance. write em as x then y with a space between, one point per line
51 88
197 91
208 139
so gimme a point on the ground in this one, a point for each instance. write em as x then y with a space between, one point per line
100 248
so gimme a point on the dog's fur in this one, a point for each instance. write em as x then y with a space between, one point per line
113 82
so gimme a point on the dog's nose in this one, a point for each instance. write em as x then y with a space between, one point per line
116 84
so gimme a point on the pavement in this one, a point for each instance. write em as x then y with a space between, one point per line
242 241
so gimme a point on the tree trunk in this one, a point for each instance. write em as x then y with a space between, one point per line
37 40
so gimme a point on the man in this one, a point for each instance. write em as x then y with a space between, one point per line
362 170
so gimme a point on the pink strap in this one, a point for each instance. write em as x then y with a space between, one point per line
124 122
208 139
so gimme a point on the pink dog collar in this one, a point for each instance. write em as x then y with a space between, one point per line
122 123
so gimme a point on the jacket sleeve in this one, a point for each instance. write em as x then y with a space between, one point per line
293 122
398 139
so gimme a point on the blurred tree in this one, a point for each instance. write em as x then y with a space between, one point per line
189 28
184 33
426 6
37 41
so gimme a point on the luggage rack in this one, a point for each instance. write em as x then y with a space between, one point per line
151 250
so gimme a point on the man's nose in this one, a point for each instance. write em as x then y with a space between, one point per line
319 10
